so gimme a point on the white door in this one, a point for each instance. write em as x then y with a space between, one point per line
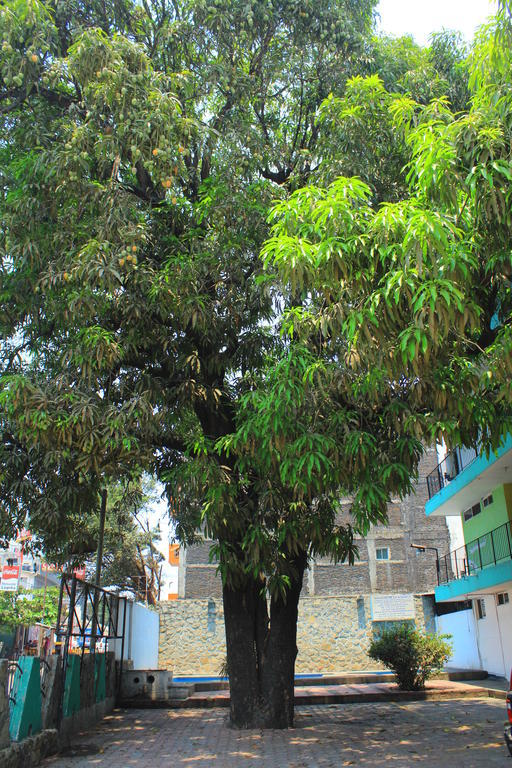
488 633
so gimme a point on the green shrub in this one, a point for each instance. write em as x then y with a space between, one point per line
412 655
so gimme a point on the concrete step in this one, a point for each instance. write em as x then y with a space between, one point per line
338 694
180 691
348 678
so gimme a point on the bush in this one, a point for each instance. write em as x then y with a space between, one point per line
412 655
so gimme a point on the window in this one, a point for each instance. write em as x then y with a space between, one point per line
382 553
488 500
480 608
502 598
471 512
361 613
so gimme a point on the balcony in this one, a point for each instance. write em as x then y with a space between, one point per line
465 476
451 466
491 549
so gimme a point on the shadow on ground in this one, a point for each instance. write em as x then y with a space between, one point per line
440 734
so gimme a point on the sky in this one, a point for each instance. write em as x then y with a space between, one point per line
421 18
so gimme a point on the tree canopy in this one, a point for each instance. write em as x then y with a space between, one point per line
142 328
25 608
415 291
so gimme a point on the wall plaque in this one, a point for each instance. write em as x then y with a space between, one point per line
392 607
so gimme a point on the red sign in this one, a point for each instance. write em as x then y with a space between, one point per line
10 577
48 567
51 568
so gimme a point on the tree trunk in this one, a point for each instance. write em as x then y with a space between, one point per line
261 651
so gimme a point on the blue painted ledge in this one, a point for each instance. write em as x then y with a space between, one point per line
491 576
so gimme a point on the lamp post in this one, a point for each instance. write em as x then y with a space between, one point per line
423 548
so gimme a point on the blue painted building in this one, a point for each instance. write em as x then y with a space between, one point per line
477 490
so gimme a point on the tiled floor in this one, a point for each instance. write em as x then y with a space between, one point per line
466 733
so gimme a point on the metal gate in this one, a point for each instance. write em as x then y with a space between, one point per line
89 617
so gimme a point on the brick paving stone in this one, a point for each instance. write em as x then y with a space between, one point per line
467 733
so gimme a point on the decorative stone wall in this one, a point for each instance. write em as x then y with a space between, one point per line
333 634
192 639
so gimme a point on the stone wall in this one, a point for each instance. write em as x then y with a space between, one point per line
192 639
333 634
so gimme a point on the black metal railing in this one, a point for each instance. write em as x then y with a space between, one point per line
88 613
451 466
13 680
489 549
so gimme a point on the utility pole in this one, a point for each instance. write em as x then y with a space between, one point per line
99 552
97 575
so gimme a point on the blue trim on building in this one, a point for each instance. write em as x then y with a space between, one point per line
489 577
470 473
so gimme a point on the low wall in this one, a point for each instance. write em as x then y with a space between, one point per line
30 751
90 694
91 710
333 634
4 706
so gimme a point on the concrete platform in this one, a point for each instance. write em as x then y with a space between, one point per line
347 693
348 678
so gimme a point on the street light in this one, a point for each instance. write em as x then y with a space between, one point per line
423 548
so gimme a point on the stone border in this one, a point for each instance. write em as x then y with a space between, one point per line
30 751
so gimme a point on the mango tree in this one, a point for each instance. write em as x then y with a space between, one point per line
144 146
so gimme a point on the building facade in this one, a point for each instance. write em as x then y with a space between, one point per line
476 575
341 605
21 569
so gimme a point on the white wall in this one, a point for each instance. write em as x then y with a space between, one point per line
141 636
505 622
461 625
489 640
456 531
494 633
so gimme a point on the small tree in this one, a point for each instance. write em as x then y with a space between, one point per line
27 607
412 655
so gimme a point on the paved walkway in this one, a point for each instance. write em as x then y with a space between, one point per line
467 733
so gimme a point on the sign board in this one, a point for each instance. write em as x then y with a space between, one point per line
52 568
10 578
174 554
392 607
